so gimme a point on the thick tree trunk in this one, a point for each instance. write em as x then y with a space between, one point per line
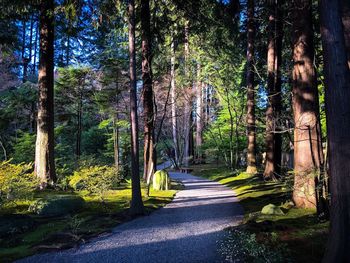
337 82
136 205
173 105
199 115
188 147
44 147
251 154
308 155
274 57
148 107
345 7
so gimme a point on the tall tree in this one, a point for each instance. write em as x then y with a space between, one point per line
44 148
136 206
251 154
199 114
148 107
274 57
308 155
337 81
345 7
173 105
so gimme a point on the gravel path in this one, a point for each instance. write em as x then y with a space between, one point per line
186 230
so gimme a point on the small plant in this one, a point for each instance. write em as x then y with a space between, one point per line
74 224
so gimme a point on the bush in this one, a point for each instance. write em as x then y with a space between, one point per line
57 205
95 179
17 182
241 246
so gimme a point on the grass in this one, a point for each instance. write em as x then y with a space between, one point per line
97 217
299 229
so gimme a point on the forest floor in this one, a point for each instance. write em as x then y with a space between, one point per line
185 230
299 230
31 234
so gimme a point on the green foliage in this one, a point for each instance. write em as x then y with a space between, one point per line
24 148
95 179
57 205
161 180
241 246
16 182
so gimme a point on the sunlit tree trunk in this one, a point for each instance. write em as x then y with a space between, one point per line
274 57
308 155
44 147
188 103
173 105
345 7
136 205
148 107
199 115
337 83
251 154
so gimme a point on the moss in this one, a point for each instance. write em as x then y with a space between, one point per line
98 216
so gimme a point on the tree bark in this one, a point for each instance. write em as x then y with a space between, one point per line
44 147
251 151
345 7
173 105
337 83
199 115
274 57
308 155
136 205
148 107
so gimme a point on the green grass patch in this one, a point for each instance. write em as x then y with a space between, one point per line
299 229
99 215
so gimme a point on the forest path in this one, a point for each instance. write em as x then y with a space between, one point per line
185 230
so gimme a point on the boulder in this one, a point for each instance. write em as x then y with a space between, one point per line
57 205
271 209
161 180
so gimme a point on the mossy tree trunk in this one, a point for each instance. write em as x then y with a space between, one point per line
44 147
308 155
345 8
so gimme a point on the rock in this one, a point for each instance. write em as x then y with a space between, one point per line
57 205
161 180
271 209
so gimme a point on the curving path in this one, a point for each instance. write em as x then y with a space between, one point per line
186 230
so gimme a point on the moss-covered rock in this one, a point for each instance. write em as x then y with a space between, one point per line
161 180
57 206
272 209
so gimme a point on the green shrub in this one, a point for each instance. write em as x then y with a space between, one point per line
57 205
241 246
95 179
17 182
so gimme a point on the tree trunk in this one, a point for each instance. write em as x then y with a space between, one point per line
274 57
345 7
337 83
251 154
173 105
308 155
35 47
188 147
116 142
148 107
199 115
80 127
136 205
44 147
